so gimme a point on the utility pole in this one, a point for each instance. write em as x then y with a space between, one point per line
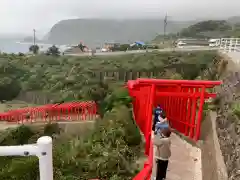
34 37
164 28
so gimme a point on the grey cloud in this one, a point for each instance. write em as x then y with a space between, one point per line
23 15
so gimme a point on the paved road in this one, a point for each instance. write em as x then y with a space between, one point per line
143 51
235 56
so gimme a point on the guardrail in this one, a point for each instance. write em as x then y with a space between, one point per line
42 149
230 44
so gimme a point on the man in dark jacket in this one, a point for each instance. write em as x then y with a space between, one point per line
157 112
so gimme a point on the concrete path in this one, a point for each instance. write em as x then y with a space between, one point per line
235 56
185 162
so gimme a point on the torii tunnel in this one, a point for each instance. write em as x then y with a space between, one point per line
183 102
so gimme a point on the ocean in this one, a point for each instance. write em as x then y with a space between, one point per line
10 46
13 46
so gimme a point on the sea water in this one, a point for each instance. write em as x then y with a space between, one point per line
13 46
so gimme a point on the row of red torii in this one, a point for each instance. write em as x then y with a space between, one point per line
86 110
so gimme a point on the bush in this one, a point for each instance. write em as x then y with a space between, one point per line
108 152
9 88
25 168
236 109
17 136
51 129
48 73
123 116
115 135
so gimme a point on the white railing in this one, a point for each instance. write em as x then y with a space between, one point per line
42 149
230 45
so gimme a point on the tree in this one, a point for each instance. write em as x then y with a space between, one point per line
34 49
98 95
9 88
81 46
54 51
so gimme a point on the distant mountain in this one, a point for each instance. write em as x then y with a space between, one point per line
207 29
234 19
95 32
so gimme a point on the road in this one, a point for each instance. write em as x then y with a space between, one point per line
235 56
144 51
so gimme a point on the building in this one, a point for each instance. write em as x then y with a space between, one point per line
108 46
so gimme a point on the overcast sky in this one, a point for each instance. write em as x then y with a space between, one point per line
21 16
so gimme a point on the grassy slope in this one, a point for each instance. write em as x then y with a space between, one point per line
70 78
111 136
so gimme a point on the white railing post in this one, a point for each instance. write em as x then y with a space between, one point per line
221 47
45 158
43 150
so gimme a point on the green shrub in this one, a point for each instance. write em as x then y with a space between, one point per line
110 150
51 129
17 136
122 115
236 109
25 168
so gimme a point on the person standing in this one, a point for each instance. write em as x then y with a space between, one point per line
161 124
156 113
163 153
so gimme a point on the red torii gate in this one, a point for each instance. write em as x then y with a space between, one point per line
182 100
52 112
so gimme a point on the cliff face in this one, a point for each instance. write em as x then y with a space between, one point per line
95 32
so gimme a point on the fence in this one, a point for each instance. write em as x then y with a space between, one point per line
42 149
182 101
36 97
52 112
230 44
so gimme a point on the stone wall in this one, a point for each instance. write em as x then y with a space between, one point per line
228 124
213 166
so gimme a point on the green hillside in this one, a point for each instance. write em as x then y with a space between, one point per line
110 150
206 29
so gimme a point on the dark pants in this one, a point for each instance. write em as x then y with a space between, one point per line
154 124
161 169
